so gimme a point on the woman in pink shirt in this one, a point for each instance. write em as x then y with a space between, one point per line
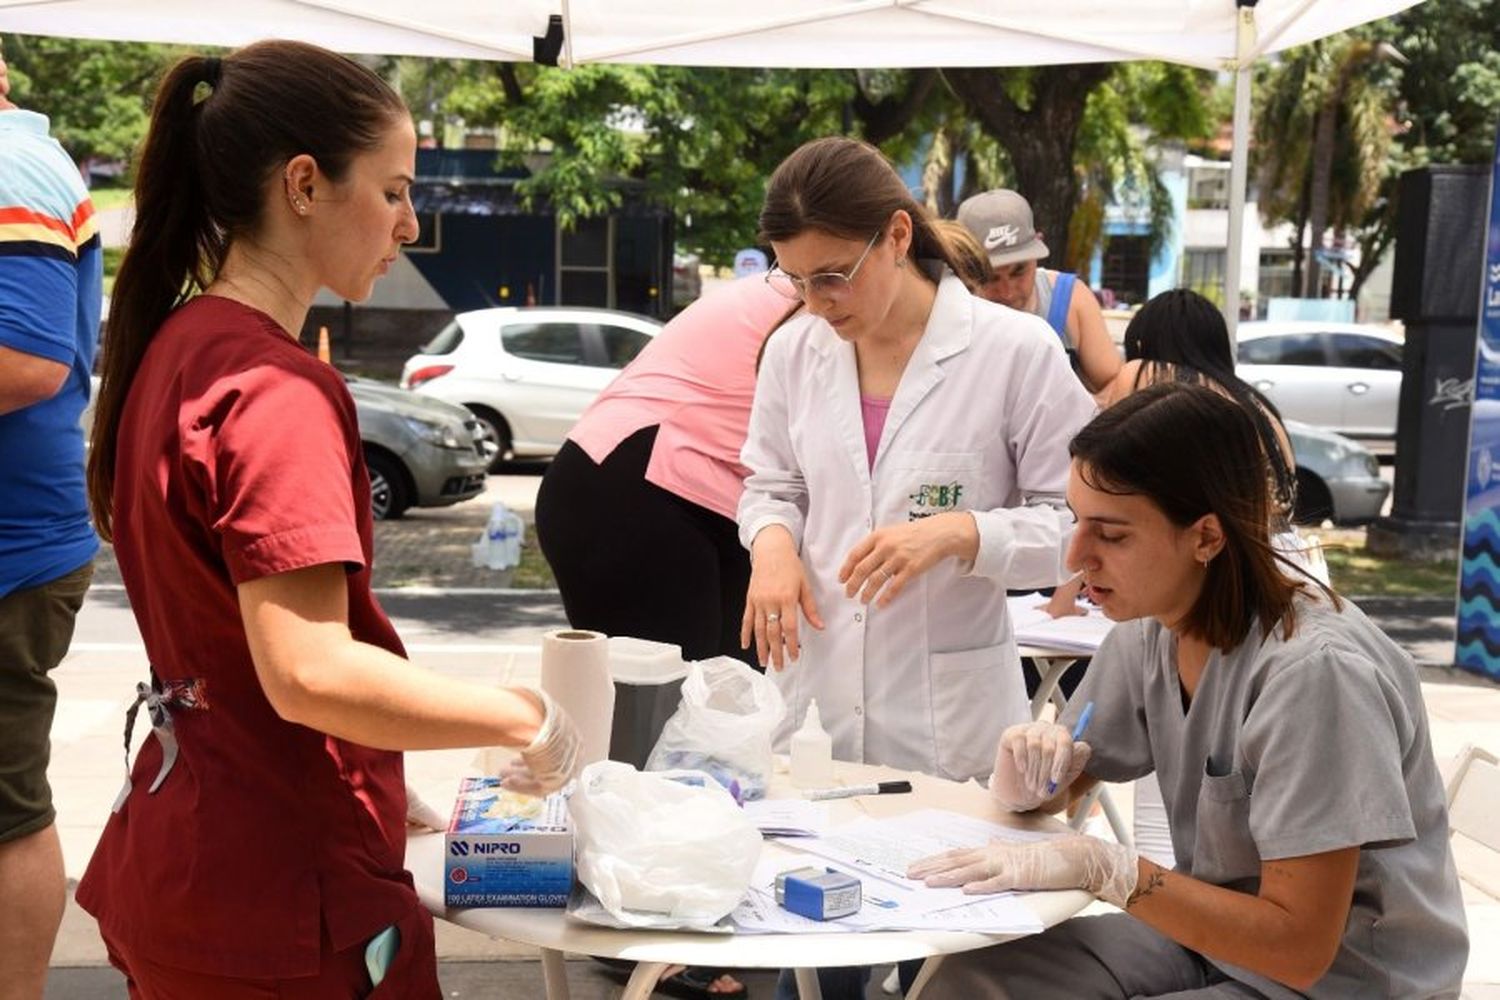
636 513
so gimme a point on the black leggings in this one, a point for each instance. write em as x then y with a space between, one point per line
631 558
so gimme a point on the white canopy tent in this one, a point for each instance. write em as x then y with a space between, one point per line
1214 34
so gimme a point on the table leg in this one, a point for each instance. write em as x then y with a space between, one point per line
807 985
554 974
1050 669
928 970
643 980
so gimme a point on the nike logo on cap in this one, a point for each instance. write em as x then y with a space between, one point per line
1002 236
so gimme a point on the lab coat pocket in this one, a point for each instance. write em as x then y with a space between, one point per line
1224 852
923 483
970 708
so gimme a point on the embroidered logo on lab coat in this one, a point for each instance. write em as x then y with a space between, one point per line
933 498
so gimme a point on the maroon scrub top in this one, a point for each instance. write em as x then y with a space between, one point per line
239 457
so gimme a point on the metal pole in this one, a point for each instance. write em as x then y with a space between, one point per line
1239 164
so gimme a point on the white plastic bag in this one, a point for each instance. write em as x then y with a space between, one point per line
500 545
657 852
723 726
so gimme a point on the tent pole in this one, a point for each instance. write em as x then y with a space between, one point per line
1239 163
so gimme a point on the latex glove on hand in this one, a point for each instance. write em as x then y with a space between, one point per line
419 812
1075 862
551 759
1029 757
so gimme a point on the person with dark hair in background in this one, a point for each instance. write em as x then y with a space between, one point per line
50 297
1181 336
257 846
1002 222
1287 733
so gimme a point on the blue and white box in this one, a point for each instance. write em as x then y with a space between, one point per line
507 849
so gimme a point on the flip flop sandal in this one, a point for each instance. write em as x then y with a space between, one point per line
692 983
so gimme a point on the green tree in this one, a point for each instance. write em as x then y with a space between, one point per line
1447 103
1074 138
704 140
97 94
701 140
1324 138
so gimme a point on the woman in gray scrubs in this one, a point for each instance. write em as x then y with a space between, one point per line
1287 733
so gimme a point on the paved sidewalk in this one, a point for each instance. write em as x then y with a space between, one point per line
456 622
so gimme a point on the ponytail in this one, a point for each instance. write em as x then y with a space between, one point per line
962 252
174 251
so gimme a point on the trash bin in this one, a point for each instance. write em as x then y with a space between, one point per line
648 688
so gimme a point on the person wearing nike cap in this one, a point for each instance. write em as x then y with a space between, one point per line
1002 222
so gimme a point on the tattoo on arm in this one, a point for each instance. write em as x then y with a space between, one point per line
1155 880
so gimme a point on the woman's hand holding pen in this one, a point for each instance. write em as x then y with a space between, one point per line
778 590
1033 760
887 559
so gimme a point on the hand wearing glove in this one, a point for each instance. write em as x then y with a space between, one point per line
1075 862
421 813
551 759
1031 755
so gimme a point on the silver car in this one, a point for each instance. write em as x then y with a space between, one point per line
421 452
1343 376
1338 479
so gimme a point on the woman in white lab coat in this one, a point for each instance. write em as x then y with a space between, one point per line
908 457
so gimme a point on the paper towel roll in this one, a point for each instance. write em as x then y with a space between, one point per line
575 672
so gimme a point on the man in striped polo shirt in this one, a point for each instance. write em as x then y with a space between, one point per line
50 296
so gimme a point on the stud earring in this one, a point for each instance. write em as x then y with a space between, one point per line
900 261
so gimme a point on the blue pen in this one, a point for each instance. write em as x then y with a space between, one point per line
1078 728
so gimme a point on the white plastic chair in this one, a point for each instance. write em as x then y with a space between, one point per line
1474 814
1474 810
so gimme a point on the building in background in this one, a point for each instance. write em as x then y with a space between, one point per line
1194 255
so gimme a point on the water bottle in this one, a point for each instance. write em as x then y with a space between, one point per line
500 547
515 531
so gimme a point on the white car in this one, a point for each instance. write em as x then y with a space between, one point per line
527 372
1342 376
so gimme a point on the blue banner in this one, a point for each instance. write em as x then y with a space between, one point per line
1478 641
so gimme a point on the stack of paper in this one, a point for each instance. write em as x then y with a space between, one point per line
1033 626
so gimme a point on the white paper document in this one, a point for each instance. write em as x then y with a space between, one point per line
877 852
1033 626
885 848
788 817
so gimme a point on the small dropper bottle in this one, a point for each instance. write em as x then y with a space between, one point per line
812 752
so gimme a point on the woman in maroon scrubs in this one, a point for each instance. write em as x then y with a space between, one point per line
257 847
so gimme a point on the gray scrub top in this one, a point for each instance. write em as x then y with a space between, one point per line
1292 747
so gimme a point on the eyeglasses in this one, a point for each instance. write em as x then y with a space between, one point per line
828 285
